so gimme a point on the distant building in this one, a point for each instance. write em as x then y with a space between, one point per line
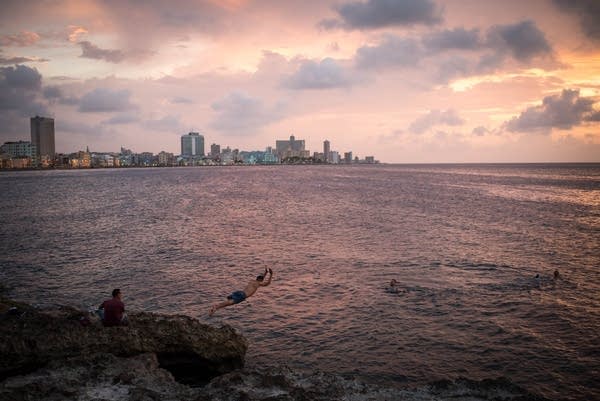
370 159
19 149
42 137
326 150
166 159
215 150
292 148
192 145
347 157
334 157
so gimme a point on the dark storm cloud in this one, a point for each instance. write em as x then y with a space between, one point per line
327 74
524 40
460 52
434 118
374 14
588 12
562 111
20 77
20 87
106 100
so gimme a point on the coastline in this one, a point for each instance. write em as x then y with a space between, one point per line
65 353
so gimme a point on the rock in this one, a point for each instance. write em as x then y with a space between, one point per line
97 377
193 352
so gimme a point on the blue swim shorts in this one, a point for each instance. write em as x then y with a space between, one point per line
237 296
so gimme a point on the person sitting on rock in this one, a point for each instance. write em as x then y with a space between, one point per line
113 310
238 296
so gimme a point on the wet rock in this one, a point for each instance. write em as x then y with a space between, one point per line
31 338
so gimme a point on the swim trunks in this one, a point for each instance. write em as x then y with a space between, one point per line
237 296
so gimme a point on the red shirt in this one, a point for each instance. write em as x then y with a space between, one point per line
113 312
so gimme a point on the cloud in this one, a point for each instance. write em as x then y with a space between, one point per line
562 111
105 100
327 74
461 52
374 14
239 113
20 77
523 40
393 51
20 87
20 60
167 123
181 100
89 50
75 32
122 118
449 39
435 118
588 12
22 39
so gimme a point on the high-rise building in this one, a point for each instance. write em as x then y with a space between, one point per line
192 145
326 150
215 150
291 148
348 157
42 138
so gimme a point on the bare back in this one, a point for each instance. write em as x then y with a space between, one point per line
251 288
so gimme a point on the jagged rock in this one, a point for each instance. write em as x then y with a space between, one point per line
97 377
193 352
285 384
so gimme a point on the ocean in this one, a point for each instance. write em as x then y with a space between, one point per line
465 242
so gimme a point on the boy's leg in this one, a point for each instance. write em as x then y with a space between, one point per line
223 304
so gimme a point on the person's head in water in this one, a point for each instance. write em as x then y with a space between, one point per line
116 293
260 277
393 283
556 274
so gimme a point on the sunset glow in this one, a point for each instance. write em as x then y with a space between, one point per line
405 80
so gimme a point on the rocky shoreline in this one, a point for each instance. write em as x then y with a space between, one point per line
66 354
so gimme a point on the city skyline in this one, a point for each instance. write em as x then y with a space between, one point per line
405 80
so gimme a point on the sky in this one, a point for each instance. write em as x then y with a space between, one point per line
405 81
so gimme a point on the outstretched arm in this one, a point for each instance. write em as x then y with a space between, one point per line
264 284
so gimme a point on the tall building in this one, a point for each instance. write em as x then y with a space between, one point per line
348 157
326 150
291 148
215 150
192 145
42 138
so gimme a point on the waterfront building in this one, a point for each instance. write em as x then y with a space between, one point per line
19 149
348 157
81 159
215 151
42 137
166 159
192 145
292 148
326 150
370 159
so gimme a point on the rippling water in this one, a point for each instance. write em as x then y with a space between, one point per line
465 241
